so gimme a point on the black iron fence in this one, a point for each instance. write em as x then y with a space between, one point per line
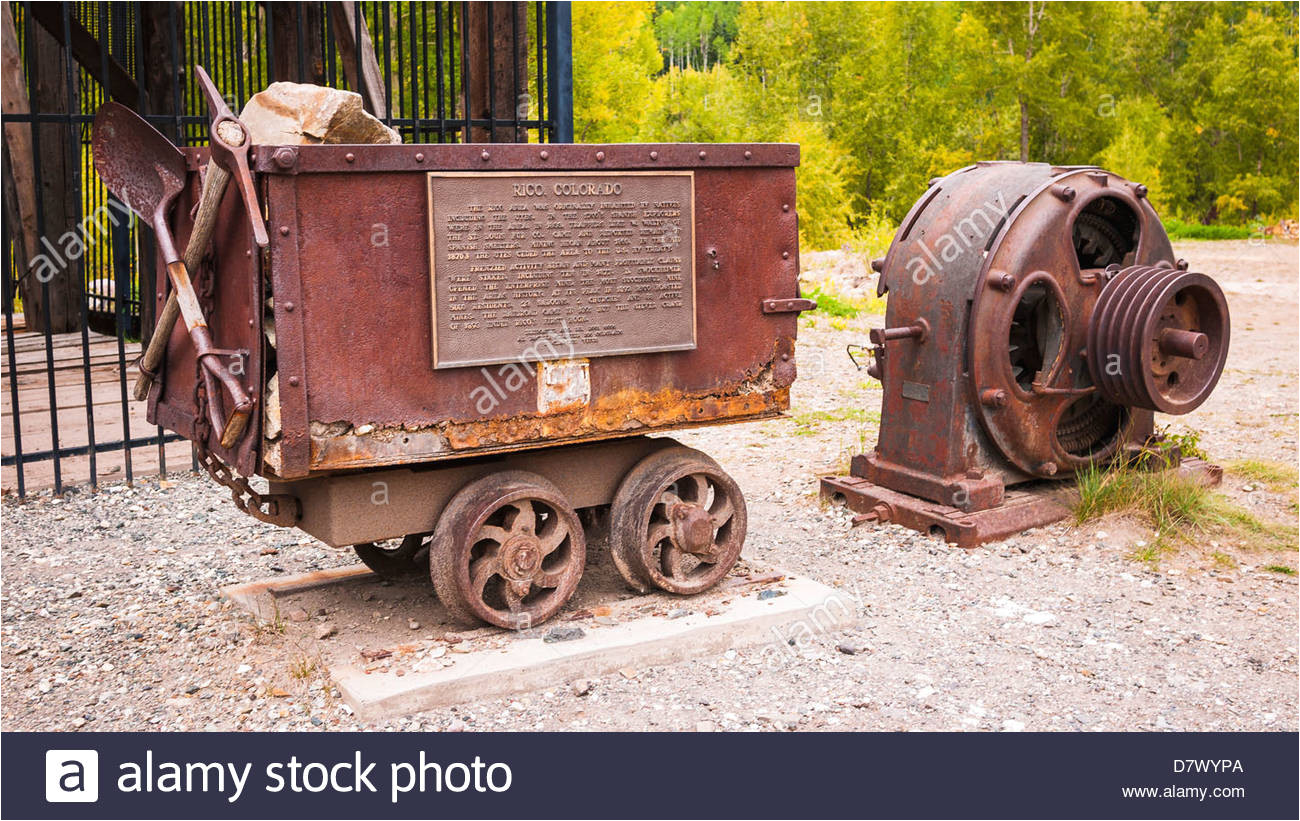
72 307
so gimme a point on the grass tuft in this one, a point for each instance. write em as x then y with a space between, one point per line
832 304
302 667
1178 509
810 422
1275 475
1280 568
1223 560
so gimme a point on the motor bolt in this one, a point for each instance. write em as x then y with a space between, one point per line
993 397
1063 192
1002 280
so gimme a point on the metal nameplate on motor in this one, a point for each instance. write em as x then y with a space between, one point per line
540 266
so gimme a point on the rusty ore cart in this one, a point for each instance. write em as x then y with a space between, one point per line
453 350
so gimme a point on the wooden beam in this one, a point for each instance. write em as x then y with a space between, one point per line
497 48
87 51
297 32
160 30
19 169
57 260
370 83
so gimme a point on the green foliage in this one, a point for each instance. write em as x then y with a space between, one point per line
1187 443
690 106
1280 568
1198 101
695 34
824 179
832 304
1178 229
614 58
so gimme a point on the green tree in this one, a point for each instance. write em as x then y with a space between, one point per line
1196 100
695 34
614 58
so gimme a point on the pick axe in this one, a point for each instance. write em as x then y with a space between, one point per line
229 143
146 172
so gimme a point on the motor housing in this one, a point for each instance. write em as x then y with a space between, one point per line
1036 318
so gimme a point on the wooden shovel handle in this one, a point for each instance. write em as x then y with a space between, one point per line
205 222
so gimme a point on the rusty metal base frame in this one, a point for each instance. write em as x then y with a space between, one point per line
1032 506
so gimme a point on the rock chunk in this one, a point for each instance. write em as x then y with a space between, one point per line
303 114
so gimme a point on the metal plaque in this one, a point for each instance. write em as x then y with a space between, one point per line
529 267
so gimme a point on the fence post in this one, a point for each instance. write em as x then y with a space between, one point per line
559 70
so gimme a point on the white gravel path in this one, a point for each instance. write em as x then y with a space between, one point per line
110 617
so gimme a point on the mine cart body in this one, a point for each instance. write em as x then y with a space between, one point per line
462 347
348 287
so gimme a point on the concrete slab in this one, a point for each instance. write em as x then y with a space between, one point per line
262 598
386 667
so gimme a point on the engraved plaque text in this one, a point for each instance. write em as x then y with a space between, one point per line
533 266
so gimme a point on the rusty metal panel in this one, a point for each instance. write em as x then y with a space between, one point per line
357 256
290 455
341 509
577 263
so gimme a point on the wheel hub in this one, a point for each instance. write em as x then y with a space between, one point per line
521 557
692 528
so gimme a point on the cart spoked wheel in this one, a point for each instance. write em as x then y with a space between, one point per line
678 523
395 558
508 549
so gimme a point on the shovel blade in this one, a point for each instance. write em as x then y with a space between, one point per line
139 165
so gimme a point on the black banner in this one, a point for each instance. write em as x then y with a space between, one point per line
588 775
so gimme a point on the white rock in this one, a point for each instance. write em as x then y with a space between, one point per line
1010 725
302 114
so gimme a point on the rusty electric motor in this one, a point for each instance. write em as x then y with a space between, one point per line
1036 319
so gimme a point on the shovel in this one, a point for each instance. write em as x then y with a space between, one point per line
229 142
146 173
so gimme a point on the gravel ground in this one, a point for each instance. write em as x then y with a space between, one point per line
110 616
